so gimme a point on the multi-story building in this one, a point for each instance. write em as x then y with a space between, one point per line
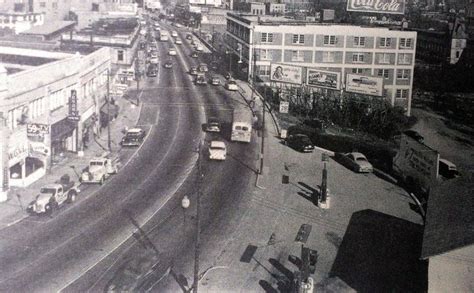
343 49
47 109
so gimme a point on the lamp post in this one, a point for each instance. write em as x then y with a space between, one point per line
108 111
198 223
185 203
229 54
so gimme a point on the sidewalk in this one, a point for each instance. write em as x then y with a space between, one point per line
14 209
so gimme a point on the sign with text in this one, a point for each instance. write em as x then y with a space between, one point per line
73 113
286 73
324 79
377 6
37 129
284 107
367 85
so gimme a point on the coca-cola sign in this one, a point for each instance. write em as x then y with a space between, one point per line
377 6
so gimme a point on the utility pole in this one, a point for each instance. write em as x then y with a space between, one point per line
198 223
108 111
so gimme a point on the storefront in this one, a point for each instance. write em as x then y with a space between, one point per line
63 139
108 113
89 126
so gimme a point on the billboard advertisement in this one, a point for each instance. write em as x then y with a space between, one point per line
367 85
324 79
286 73
377 6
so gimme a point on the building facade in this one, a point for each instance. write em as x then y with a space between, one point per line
342 49
48 111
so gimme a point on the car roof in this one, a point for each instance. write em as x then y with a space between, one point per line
132 130
357 155
217 143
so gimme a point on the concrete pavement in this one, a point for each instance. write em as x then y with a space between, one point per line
14 209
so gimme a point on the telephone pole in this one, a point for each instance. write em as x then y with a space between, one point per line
198 223
108 111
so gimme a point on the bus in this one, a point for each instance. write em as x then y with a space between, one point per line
164 36
241 126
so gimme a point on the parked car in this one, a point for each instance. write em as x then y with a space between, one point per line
193 70
357 162
178 42
300 142
152 71
414 134
174 34
201 79
217 150
134 137
199 48
447 169
215 80
203 67
172 52
213 125
194 55
231 85
189 37
168 64
228 75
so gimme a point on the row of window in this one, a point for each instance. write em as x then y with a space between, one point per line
331 40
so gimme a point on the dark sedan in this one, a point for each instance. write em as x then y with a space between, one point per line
300 142
134 137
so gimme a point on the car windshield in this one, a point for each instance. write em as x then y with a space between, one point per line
231 82
96 163
217 148
361 159
132 135
47 190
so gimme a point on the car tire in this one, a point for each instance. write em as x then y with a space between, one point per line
102 180
48 209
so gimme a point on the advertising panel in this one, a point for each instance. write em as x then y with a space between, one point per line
367 85
284 107
324 79
37 129
377 6
73 113
286 73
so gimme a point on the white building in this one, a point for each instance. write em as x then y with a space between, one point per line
36 105
384 54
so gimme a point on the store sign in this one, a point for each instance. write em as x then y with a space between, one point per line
323 79
377 6
37 129
286 73
17 153
39 149
367 85
73 112
284 107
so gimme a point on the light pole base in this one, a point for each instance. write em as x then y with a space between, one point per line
3 196
325 205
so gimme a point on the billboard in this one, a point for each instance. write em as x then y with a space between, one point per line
324 79
367 85
377 6
286 73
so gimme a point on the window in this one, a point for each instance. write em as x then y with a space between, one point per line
384 58
266 38
405 43
383 73
458 54
54 5
385 42
329 40
358 70
42 4
404 58
329 56
297 56
401 94
358 57
359 41
298 39
264 70
403 73
120 55
265 54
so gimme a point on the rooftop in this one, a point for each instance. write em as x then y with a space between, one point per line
49 27
450 220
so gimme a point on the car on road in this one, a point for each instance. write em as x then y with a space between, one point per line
172 52
228 75
152 70
231 85
201 79
300 142
203 67
193 70
194 55
133 137
414 134
178 42
193 42
215 80
189 37
174 34
355 161
217 150
199 48
213 125
168 64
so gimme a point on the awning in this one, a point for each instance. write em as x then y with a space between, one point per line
62 129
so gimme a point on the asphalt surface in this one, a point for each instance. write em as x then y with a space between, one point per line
87 246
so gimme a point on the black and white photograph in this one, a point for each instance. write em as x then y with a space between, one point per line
236 146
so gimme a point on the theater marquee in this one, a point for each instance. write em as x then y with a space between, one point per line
377 6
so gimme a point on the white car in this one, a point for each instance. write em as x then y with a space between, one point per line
217 150
199 48
172 52
231 85
178 42
174 34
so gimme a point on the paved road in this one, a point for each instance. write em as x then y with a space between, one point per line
80 248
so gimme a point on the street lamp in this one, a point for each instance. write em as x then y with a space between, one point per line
229 53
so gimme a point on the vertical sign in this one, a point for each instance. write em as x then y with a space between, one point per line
73 113
284 107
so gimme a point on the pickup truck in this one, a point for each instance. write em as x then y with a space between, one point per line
52 196
99 169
